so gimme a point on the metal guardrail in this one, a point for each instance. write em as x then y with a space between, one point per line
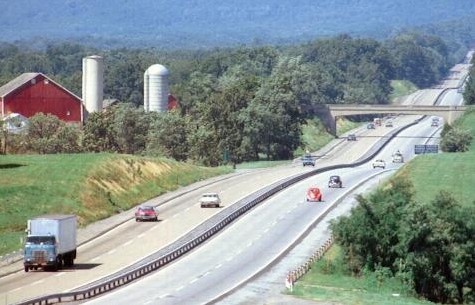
194 238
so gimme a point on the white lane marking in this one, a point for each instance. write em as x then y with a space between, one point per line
229 258
179 288
16 289
206 274
148 302
163 296
96 258
266 230
175 216
274 223
112 251
127 243
141 235
249 244
193 281
60 274
218 266
37 282
187 209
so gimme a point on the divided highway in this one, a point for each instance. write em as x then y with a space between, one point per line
232 256
133 241
255 241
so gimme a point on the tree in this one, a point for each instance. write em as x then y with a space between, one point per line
168 136
98 132
456 140
131 127
469 93
273 118
46 134
437 249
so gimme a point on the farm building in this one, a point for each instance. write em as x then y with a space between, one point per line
32 93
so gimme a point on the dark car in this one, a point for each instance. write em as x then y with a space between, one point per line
308 160
351 137
335 181
370 126
146 213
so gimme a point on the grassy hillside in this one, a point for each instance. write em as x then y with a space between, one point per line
315 136
92 186
329 281
401 88
453 172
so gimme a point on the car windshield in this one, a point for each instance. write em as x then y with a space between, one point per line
334 178
210 195
40 240
146 209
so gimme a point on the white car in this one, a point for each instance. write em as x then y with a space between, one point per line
210 200
398 158
379 163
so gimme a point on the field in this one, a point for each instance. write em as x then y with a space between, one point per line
92 186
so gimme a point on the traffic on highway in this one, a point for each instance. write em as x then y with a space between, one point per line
247 246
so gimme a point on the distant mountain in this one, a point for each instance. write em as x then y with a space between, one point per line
207 23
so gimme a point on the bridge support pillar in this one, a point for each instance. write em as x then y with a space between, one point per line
328 120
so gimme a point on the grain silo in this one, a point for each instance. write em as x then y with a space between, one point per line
92 82
156 88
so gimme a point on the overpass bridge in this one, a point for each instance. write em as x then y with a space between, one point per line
329 113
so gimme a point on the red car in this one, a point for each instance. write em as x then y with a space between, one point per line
146 213
314 194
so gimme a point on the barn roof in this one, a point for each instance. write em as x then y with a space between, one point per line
25 78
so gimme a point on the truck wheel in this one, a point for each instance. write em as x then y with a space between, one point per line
26 269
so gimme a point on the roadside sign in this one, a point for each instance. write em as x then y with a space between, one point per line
426 149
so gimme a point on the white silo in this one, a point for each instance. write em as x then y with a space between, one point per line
156 88
92 82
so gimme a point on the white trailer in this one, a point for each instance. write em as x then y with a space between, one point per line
51 242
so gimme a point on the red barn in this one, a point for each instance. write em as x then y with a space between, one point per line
31 93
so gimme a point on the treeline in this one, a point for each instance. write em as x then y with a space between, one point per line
469 90
429 246
236 104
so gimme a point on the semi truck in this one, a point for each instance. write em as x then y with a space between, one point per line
51 242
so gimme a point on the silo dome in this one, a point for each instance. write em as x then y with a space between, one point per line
156 88
93 82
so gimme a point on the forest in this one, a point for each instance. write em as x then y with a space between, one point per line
236 104
211 23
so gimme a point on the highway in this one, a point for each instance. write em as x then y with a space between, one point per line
254 241
229 258
260 237
133 241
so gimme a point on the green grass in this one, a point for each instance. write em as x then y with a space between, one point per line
346 125
401 88
314 137
32 185
329 281
453 172
261 164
